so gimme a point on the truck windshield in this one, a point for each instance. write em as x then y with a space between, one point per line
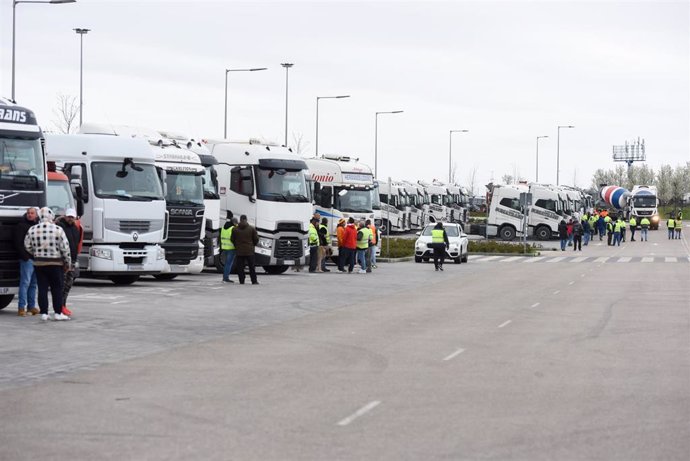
279 185
184 188
644 201
210 183
59 196
437 199
111 180
21 164
375 199
353 200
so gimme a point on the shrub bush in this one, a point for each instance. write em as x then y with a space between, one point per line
492 246
399 247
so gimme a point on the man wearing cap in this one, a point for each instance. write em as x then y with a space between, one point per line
75 238
27 275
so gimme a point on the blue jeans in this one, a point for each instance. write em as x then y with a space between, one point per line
362 257
617 237
27 284
643 234
372 249
563 243
586 239
670 233
229 259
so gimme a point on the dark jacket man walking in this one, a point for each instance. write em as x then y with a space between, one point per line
245 238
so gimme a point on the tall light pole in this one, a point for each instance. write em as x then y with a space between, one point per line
450 153
287 66
225 121
14 15
317 115
537 172
376 139
558 152
81 33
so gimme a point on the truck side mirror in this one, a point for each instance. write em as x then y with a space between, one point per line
80 207
317 192
247 182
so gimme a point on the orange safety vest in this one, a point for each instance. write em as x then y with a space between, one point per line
373 235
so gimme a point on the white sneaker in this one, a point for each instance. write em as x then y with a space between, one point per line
45 317
61 317
362 271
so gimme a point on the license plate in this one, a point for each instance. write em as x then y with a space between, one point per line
289 263
135 267
4 290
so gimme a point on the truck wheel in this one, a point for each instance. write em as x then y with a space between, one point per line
543 233
507 233
165 276
124 279
275 270
5 300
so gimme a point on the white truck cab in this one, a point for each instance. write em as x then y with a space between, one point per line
438 211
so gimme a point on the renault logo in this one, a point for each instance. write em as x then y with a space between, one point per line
135 236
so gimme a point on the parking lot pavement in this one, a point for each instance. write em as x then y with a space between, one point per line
115 323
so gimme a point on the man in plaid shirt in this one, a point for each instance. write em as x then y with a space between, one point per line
48 245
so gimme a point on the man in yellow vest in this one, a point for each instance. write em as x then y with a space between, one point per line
227 247
363 241
618 227
644 229
313 241
633 227
439 242
324 248
671 225
679 225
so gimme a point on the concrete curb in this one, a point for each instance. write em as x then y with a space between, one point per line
395 260
505 254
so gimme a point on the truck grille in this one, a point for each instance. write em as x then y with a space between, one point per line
134 226
9 259
644 213
289 248
184 233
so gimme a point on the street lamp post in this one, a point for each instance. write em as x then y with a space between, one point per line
14 15
225 121
537 172
317 116
558 151
376 139
450 153
81 33
287 66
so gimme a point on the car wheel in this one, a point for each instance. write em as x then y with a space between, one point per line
418 259
457 260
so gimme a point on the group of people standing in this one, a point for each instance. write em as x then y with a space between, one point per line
237 242
357 244
48 251
675 225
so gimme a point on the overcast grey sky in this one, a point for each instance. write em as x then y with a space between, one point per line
507 71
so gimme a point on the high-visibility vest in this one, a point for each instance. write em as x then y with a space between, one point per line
373 234
363 243
327 237
644 223
226 238
618 226
671 223
437 236
609 227
679 224
313 236
607 219
593 221
633 222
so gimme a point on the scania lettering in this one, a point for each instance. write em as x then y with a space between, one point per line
123 206
266 183
22 185
342 190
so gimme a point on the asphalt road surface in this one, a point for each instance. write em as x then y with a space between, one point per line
572 355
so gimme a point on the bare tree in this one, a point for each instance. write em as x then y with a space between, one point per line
299 145
472 180
66 112
507 179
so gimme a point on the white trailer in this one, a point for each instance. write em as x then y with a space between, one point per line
124 218
266 183
342 190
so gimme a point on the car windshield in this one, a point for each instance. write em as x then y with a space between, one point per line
210 183
112 179
59 197
451 231
21 164
280 185
353 200
184 188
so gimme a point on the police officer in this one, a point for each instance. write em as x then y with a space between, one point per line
644 232
633 227
227 247
313 245
439 242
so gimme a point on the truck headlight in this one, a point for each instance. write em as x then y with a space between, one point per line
265 243
655 218
161 253
102 253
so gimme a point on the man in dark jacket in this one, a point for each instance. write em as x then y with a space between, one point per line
245 238
75 237
27 275
578 230
563 233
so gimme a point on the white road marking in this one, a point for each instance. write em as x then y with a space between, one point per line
579 259
533 260
670 259
556 259
624 259
602 259
217 288
571 283
647 260
556 292
505 323
366 408
534 305
491 258
118 302
478 259
511 259
582 275
655 244
454 354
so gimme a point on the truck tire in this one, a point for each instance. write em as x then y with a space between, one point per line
5 301
543 233
124 279
507 233
275 270
165 276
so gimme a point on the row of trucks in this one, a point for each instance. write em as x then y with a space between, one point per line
532 209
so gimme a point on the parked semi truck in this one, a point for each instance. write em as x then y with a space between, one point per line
22 185
124 217
394 207
267 183
342 189
438 211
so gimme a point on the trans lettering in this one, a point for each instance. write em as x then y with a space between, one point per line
11 115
